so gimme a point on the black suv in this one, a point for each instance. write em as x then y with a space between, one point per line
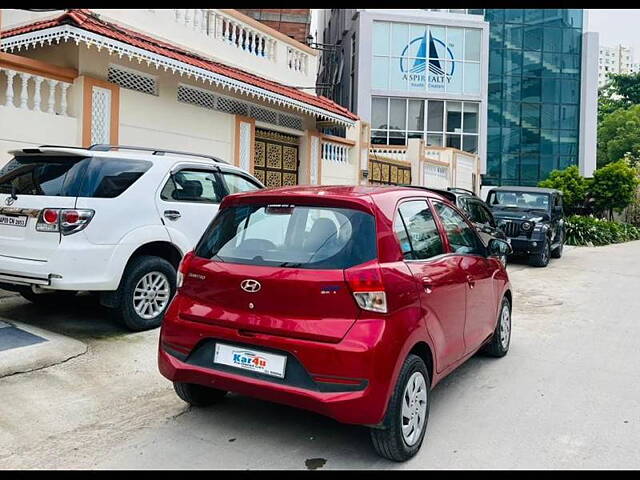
532 218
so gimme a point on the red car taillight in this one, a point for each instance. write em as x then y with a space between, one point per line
183 268
64 220
367 287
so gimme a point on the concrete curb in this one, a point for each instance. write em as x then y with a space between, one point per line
57 349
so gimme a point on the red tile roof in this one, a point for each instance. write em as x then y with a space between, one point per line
86 20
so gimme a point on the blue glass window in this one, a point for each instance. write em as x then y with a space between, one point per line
510 140
531 89
532 38
514 15
513 36
549 116
552 40
509 170
532 63
571 40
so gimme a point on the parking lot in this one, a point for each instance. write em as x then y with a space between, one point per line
566 396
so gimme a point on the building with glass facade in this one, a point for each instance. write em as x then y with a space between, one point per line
516 86
535 66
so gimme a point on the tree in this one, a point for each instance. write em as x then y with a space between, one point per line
614 187
623 88
619 136
574 187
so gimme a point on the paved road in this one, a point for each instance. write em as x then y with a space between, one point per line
566 396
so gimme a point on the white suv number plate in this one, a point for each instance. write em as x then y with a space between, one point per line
252 360
20 221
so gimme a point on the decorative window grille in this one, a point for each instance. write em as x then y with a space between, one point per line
206 99
232 106
291 122
196 96
100 115
263 114
133 80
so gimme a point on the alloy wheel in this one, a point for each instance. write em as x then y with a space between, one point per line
151 295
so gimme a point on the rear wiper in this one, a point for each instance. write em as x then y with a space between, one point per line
290 264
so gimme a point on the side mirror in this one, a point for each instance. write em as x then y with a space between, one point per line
499 248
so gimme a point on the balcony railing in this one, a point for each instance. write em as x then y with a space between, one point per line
29 91
336 149
246 35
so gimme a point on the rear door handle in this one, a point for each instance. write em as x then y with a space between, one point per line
172 214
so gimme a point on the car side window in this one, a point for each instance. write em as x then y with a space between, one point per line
487 214
238 183
193 186
475 214
417 231
461 236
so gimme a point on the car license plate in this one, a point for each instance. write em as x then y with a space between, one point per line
13 221
251 360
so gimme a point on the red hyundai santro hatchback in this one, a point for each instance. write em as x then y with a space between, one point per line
352 302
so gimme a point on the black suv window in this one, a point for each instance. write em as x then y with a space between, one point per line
461 236
57 176
199 186
70 176
417 231
110 177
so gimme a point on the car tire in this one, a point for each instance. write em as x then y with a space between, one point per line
388 440
145 275
198 395
47 299
557 252
498 346
541 259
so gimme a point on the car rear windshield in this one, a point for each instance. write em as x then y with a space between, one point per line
70 176
290 236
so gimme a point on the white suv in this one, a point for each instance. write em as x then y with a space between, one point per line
109 219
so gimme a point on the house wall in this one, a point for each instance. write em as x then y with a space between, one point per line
143 119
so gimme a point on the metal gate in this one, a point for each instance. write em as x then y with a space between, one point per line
389 172
276 158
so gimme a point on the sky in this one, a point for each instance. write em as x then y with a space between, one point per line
617 26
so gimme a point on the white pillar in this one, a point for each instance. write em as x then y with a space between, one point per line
9 95
37 97
52 95
24 94
63 99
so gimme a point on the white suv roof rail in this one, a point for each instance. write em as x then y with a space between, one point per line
101 147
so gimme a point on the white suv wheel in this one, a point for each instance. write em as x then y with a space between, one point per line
151 295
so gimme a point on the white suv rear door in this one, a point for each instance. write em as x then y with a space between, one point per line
188 200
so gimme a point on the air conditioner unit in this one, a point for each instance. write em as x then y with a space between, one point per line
364 173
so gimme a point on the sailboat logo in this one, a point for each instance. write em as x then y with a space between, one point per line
427 63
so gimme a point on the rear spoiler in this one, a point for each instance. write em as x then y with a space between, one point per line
57 150
445 193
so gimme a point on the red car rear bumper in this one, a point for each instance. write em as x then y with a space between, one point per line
357 356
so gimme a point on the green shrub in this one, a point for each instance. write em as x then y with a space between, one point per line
614 187
593 231
574 187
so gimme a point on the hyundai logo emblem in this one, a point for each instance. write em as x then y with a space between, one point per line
9 200
251 286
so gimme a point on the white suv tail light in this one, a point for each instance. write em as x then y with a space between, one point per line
64 220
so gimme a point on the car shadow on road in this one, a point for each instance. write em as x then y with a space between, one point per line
239 422
81 317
